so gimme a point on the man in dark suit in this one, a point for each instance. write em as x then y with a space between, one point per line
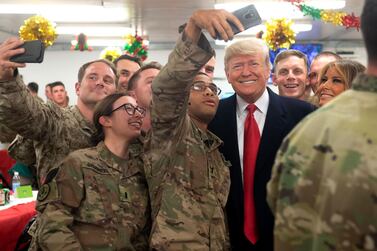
247 67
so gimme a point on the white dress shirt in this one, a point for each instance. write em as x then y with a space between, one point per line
259 115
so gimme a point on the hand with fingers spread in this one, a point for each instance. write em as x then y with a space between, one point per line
9 49
212 21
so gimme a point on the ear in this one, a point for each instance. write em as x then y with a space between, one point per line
77 88
274 79
132 94
105 121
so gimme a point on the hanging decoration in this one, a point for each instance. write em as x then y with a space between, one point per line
111 53
328 16
81 43
38 27
136 46
279 33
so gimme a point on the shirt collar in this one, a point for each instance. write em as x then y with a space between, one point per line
109 158
261 103
84 123
207 137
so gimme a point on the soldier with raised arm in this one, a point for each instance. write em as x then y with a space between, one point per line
188 178
55 131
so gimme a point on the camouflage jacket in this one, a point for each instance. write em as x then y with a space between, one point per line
56 132
97 201
323 189
6 134
188 178
22 149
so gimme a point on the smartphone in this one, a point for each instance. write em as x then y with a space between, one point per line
248 16
34 52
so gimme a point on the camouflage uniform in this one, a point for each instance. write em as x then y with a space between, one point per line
56 132
6 134
22 150
323 189
188 178
97 201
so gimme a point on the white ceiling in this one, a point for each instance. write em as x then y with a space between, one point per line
159 20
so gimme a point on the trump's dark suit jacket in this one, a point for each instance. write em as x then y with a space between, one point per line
282 115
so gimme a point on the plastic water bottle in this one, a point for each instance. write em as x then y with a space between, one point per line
16 182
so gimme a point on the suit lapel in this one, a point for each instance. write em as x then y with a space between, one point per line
232 136
273 129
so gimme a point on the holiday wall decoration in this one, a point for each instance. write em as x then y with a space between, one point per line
38 28
111 53
135 46
81 43
279 33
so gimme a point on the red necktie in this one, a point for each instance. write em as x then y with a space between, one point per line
251 145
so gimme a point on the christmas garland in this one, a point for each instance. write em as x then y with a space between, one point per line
328 16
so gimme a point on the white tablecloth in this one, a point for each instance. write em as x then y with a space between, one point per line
15 201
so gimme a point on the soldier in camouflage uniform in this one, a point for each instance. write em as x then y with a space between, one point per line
56 131
323 189
99 197
188 178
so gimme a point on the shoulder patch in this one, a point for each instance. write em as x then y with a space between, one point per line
51 175
43 192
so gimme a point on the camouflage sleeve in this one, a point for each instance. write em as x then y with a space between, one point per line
23 113
172 86
57 201
22 150
6 134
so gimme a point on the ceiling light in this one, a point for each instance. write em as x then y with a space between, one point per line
268 9
69 13
95 31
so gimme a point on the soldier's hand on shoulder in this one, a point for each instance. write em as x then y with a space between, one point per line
8 49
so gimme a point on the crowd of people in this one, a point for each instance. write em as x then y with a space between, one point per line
150 158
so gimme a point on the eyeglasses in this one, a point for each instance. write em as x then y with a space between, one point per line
201 86
130 109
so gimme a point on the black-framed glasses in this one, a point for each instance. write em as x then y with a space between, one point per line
201 86
131 109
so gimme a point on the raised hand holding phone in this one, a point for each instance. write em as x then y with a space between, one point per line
248 16
212 21
9 48
34 52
